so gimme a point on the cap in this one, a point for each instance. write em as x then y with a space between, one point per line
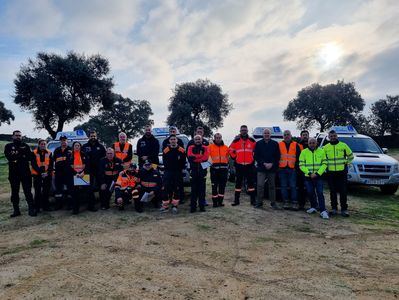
147 162
133 166
63 137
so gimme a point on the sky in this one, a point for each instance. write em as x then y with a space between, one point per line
260 52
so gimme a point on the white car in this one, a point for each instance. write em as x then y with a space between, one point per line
276 133
371 165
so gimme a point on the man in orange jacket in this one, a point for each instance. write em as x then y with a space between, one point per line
219 154
123 150
242 152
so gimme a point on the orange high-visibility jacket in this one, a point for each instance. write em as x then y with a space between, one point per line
242 150
219 155
78 164
287 158
122 153
126 180
45 163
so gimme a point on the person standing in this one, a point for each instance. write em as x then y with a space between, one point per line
42 173
267 157
174 160
110 167
313 164
338 155
198 154
63 176
288 166
242 152
148 147
302 192
19 155
219 156
78 163
199 131
123 150
172 131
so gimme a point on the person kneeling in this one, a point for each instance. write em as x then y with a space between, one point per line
127 188
151 184
313 164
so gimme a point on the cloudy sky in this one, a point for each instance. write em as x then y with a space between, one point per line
260 52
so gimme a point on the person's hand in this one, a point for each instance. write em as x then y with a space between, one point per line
144 157
44 175
119 201
151 193
268 166
103 187
313 176
80 175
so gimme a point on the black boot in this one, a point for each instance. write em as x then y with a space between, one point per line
31 210
215 202
220 201
16 212
236 200
253 200
202 208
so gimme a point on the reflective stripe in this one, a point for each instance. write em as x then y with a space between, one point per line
148 184
111 173
60 159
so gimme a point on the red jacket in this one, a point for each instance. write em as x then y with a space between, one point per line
242 150
198 154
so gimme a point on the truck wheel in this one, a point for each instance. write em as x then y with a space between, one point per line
389 189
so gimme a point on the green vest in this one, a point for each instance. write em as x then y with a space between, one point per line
338 156
312 161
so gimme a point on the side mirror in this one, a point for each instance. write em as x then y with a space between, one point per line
385 150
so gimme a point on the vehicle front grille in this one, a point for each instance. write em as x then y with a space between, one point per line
374 168
374 176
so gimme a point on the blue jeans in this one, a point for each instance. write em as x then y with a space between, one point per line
288 179
312 186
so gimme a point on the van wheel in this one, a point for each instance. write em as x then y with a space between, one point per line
389 189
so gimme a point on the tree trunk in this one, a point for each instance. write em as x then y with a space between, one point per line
50 130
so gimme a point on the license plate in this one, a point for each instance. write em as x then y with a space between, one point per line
375 181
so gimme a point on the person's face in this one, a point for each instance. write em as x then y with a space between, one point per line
93 136
173 131
110 154
17 136
64 143
244 131
42 145
266 135
305 136
76 147
197 140
147 166
287 136
148 131
122 138
312 144
218 138
173 141
200 132
333 137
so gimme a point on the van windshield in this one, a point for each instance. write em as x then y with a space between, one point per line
162 138
361 145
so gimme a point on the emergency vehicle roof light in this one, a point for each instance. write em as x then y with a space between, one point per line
349 129
72 135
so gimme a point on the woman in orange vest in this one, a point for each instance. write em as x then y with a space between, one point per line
42 169
219 157
123 150
79 167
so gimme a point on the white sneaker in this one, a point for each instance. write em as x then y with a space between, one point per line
174 210
324 215
311 210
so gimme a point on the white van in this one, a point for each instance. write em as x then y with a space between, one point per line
371 165
276 133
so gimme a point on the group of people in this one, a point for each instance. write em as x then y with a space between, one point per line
78 171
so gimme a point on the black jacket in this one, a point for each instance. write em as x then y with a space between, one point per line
94 153
267 153
107 167
61 161
174 159
166 143
205 142
148 178
148 146
18 155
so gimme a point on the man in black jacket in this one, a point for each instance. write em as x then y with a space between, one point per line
148 147
198 131
166 142
267 156
151 183
110 167
19 155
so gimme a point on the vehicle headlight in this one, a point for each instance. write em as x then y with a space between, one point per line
351 168
396 168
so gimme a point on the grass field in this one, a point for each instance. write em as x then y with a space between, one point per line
224 253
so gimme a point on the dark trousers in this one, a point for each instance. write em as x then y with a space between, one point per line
314 188
288 179
127 195
105 195
157 197
270 178
62 180
219 181
198 188
15 182
337 182
42 190
172 181
249 173
79 193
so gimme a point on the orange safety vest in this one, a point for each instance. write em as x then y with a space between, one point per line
242 150
287 158
125 180
219 154
78 165
122 153
45 163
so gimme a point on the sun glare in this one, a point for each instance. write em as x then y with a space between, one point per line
329 55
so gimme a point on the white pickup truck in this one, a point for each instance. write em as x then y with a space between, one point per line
371 165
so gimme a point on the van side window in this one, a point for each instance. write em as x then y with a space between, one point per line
319 140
